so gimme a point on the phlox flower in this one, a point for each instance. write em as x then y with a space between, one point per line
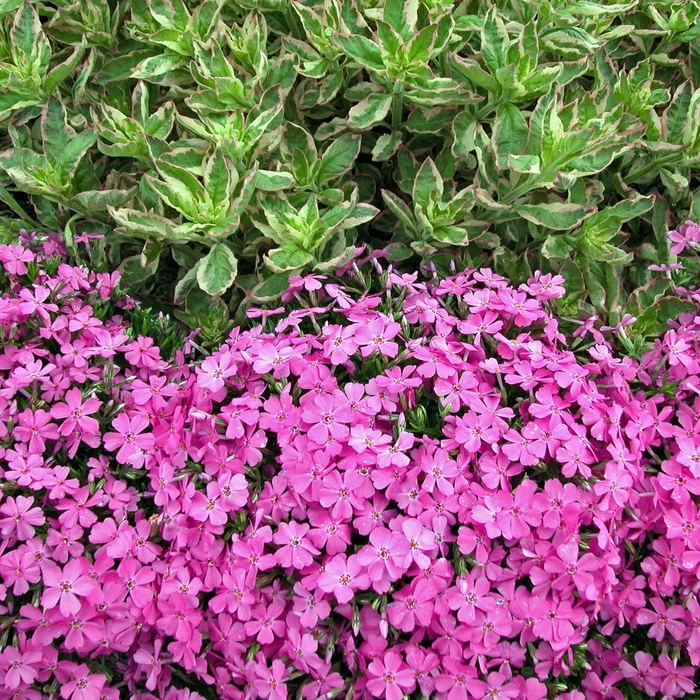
377 335
456 680
662 619
20 667
82 685
64 587
390 677
209 507
270 681
295 551
129 438
21 518
76 412
342 577
412 605
15 257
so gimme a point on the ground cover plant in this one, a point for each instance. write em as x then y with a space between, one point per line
384 487
220 143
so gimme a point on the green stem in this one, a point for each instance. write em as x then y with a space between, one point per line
650 167
397 107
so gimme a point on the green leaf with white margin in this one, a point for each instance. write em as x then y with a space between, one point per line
218 270
427 180
509 133
606 223
338 158
273 181
555 215
402 15
272 288
525 164
361 214
372 110
555 247
400 210
58 74
140 224
287 258
386 146
27 37
220 180
494 41
362 50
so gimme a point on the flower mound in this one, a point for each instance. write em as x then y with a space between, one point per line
425 490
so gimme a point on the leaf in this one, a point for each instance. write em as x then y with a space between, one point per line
58 74
509 133
524 164
362 50
594 280
287 258
28 37
556 215
273 181
218 270
399 209
372 110
386 146
555 247
463 133
95 203
132 271
605 224
338 158
272 288
220 179
140 224
427 180
494 41
402 15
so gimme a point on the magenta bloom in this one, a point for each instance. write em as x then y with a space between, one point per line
21 517
128 438
76 413
83 685
296 551
343 577
209 507
270 683
21 668
390 677
64 587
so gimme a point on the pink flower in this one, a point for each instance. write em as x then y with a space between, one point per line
456 680
377 336
83 685
76 413
21 517
64 587
343 577
270 683
390 677
14 258
128 438
662 619
209 508
21 668
296 551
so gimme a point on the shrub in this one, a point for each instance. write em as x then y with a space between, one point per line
217 143
381 487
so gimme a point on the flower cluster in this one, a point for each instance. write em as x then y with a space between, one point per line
427 488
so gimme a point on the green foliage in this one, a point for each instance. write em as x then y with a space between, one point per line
222 146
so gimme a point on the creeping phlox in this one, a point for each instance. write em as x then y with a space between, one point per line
427 489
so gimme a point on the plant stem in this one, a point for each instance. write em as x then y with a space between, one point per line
397 107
